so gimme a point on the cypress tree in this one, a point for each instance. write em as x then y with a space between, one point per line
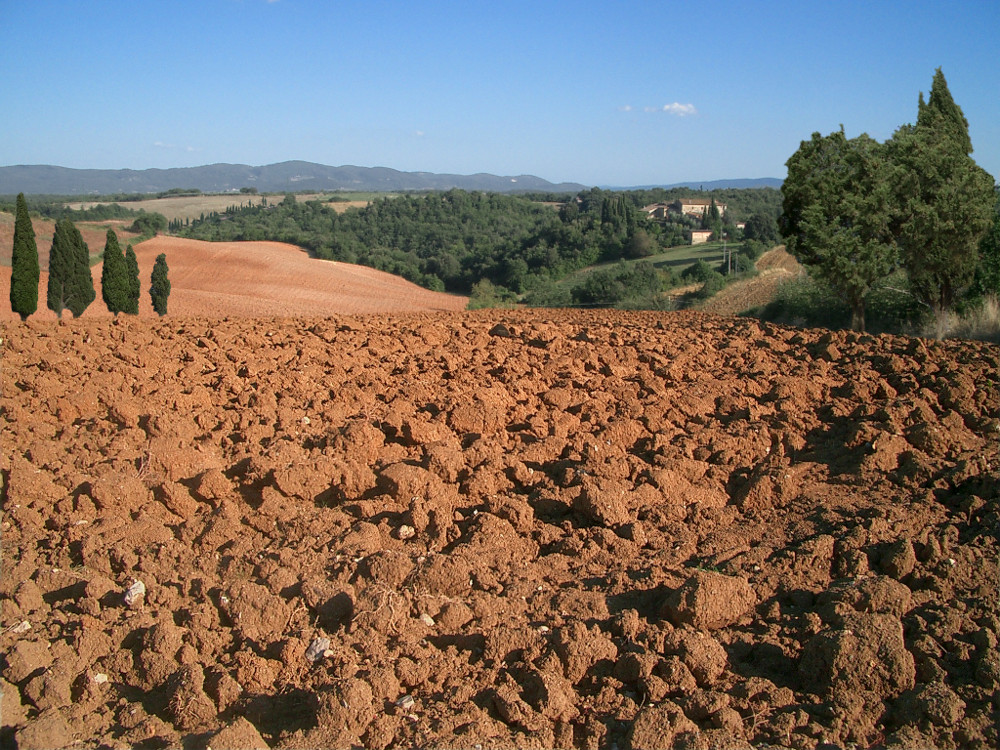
134 287
71 287
24 271
83 281
60 268
945 200
942 113
159 289
114 276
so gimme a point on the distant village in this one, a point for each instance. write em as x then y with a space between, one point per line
696 208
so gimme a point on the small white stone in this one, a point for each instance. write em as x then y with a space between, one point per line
135 595
426 619
100 678
406 532
317 649
406 702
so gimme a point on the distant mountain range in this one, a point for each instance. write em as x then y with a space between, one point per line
760 182
288 176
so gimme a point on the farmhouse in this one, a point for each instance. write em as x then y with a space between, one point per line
700 236
656 210
696 207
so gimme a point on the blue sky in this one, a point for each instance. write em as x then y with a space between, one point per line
600 93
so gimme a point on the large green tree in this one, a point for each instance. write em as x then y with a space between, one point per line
944 200
762 228
159 285
71 287
987 277
837 209
24 271
114 276
134 286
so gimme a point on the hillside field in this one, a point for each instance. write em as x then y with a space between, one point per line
253 279
193 206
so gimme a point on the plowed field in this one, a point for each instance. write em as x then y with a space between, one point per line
528 529
252 280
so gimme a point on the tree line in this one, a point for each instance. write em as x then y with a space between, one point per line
70 283
856 210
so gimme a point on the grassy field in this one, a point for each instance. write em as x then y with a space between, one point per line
192 206
674 258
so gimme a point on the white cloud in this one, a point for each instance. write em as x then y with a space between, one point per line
678 109
419 133
625 108
681 110
171 146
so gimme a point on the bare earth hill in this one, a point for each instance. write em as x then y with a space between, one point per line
254 279
522 529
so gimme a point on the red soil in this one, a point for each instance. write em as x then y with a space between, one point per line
255 280
531 529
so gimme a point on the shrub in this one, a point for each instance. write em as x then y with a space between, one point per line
610 287
149 224
486 294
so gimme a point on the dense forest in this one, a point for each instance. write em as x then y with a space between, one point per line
451 241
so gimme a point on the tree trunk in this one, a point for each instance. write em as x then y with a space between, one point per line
858 315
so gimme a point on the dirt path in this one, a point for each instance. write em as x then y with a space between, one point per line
526 529
774 267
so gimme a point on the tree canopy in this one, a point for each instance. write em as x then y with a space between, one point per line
837 214
944 200
853 209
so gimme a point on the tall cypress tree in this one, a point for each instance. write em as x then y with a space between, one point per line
114 276
945 200
60 268
942 113
71 287
24 272
159 285
84 292
134 287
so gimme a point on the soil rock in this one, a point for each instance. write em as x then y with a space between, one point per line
867 654
709 600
